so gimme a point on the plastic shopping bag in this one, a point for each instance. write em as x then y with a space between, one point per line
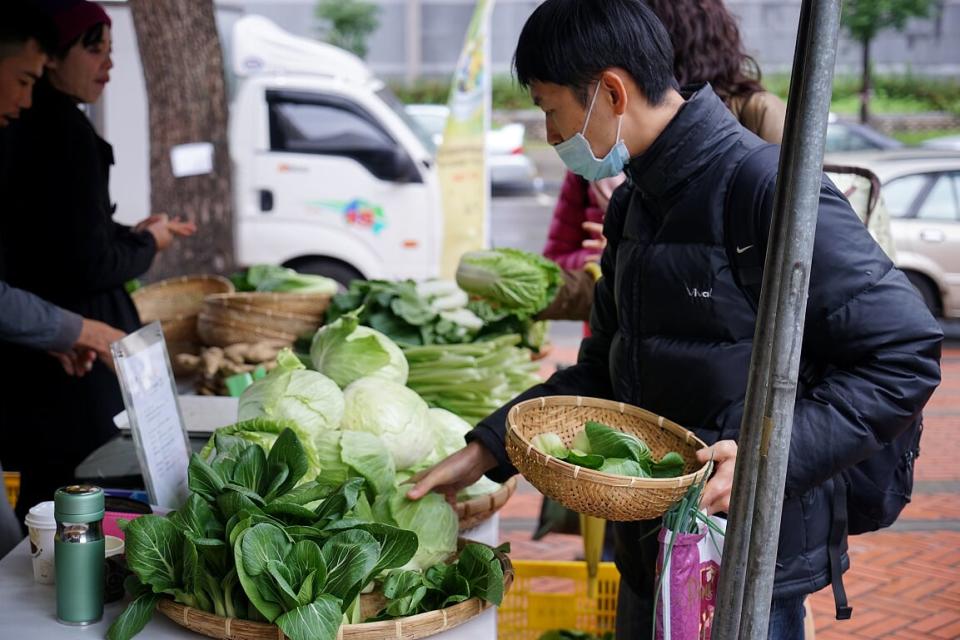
688 590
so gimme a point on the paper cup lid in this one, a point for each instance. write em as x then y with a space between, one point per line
112 546
41 515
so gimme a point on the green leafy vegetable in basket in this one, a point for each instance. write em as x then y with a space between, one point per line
269 277
608 450
257 540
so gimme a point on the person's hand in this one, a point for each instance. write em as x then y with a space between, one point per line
76 363
182 228
95 337
597 242
448 477
716 493
146 222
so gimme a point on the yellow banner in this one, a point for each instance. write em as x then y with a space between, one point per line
461 159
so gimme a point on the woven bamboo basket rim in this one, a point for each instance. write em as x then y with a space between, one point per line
421 625
229 303
574 472
239 325
481 508
169 301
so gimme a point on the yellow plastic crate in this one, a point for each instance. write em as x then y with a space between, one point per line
553 595
11 480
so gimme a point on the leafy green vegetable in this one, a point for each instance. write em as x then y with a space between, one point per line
408 313
520 281
369 456
268 277
431 518
471 380
346 351
611 443
623 467
394 414
291 392
551 444
669 466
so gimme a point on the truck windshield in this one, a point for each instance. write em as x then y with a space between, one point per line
394 103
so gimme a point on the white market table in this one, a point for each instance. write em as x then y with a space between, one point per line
28 610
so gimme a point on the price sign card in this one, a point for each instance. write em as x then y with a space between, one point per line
150 396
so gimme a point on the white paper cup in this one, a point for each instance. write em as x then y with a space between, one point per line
42 527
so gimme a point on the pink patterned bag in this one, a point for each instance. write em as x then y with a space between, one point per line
688 591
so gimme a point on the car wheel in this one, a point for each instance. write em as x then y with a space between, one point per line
927 291
337 270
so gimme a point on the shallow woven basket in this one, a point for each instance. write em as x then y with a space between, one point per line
176 302
306 304
217 332
410 628
224 308
480 509
593 493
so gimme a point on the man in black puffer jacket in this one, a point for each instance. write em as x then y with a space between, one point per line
672 331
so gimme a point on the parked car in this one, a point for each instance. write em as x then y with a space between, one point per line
921 189
845 136
946 143
509 165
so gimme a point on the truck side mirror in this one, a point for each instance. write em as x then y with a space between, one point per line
398 167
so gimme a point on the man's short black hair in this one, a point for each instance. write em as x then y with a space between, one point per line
22 22
570 42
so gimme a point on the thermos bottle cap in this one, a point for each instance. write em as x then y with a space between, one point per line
78 503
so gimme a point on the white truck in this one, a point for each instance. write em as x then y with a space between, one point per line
330 174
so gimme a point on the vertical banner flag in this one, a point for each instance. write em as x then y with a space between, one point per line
462 158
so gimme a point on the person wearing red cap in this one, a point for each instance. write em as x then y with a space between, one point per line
59 241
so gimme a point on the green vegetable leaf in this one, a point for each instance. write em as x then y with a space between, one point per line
345 352
318 620
288 451
251 469
154 548
397 546
267 606
261 544
305 559
670 466
432 519
134 618
336 505
282 583
623 467
589 461
400 583
203 479
366 454
350 557
611 443
551 444
290 513
482 570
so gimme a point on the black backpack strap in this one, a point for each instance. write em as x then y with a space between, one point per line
838 531
745 242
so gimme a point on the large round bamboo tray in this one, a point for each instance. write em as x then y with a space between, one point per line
176 302
223 307
410 628
306 304
217 332
618 498
480 509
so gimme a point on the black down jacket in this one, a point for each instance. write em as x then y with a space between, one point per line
672 333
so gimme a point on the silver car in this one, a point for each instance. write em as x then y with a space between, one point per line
921 189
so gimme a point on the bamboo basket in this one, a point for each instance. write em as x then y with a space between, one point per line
410 628
223 307
306 304
473 512
618 498
176 302
218 332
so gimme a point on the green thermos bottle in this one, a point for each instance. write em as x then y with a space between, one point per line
79 553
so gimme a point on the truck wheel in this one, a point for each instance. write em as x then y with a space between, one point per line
927 291
342 272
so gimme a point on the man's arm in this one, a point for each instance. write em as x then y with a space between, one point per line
880 344
31 321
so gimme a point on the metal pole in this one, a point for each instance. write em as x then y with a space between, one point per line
746 582
414 35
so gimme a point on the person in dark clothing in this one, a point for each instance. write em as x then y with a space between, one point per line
59 242
672 331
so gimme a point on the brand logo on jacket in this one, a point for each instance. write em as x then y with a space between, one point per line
696 292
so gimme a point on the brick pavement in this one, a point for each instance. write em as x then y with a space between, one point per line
904 582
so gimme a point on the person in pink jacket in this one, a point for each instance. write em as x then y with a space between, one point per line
576 231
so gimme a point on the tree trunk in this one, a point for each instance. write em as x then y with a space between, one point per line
186 91
866 86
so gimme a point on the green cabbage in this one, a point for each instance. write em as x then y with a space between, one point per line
291 392
431 518
449 430
519 281
395 414
346 351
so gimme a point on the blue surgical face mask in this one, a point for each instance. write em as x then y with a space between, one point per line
577 154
